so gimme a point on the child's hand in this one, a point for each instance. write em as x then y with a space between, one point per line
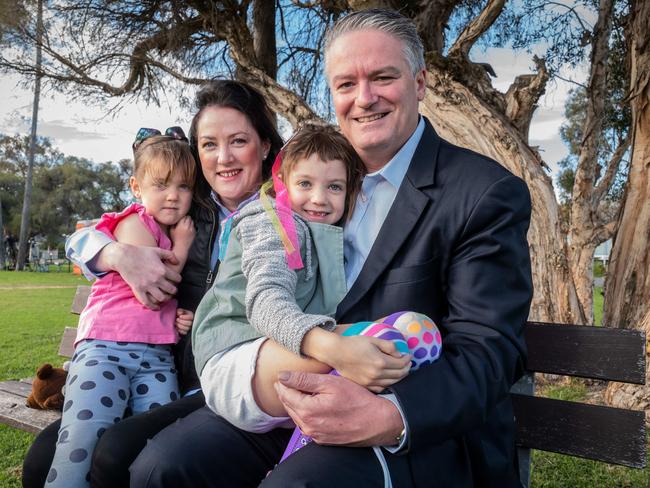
184 319
183 231
370 362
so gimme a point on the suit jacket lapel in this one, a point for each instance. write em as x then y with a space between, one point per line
409 204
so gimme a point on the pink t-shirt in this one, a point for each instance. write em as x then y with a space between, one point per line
112 312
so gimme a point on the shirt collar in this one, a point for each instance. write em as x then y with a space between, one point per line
223 210
395 170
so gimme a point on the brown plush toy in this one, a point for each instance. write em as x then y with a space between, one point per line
46 388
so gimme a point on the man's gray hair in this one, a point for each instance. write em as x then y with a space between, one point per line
387 21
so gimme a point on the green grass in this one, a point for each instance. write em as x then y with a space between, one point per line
31 323
32 320
598 305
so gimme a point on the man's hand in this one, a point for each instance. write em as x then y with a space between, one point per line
184 319
334 410
145 270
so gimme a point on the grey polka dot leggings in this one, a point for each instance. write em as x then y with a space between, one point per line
106 381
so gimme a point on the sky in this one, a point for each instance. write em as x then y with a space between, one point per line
78 128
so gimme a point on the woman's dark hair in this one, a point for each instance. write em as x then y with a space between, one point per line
247 100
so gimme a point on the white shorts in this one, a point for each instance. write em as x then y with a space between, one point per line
226 380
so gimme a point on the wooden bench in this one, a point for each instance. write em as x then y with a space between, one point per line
13 394
612 435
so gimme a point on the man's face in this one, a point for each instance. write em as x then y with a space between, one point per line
375 93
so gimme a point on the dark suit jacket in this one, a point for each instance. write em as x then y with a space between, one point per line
454 247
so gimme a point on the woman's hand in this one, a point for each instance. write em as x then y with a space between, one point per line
368 361
184 320
145 269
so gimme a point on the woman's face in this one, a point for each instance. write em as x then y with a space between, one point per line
231 154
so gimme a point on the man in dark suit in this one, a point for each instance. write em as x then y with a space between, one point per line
439 230
436 229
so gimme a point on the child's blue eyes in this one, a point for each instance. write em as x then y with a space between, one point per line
333 187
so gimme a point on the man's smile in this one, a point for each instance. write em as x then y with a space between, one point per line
370 118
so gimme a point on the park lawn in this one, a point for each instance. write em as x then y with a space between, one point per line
33 319
598 305
31 323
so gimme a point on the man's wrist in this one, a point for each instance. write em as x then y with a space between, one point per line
395 430
401 442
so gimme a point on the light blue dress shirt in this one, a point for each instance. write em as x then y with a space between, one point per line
378 191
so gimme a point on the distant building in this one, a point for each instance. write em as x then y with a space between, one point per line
602 252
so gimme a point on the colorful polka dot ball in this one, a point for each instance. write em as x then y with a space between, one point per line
380 331
422 336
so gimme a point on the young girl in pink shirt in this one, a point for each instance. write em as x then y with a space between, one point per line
123 363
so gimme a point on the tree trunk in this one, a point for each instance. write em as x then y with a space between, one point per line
636 397
627 288
3 257
27 198
463 119
581 256
584 228
264 36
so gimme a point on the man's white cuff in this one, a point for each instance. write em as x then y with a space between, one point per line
395 449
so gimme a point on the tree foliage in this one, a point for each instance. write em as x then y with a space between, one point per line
66 188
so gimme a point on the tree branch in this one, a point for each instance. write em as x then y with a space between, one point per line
476 28
264 36
522 97
605 183
431 20
281 100
585 174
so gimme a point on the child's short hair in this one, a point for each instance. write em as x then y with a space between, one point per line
171 156
329 144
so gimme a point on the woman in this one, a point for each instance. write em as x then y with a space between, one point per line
234 140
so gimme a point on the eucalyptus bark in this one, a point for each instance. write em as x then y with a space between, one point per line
585 231
628 277
461 117
627 288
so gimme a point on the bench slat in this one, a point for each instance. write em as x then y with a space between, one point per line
19 388
15 413
607 434
590 352
80 299
66 346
